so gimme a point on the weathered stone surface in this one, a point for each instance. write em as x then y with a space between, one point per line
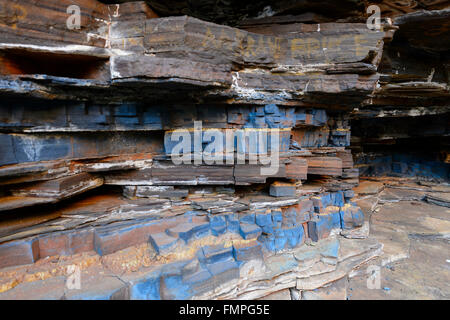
351 217
280 295
162 243
409 246
60 188
251 48
357 233
416 27
66 243
23 17
94 286
324 166
109 239
49 289
153 67
279 189
321 226
255 12
334 291
15 202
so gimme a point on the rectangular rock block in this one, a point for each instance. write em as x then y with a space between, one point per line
19 252
321 202
280 189
321 226
7 156
162 242
330 166
277 218
310 137
221 44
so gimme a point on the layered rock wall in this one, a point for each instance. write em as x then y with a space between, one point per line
90 127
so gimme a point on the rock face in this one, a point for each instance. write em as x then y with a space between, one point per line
403 130
203 152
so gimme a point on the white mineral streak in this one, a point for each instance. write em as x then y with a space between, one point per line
74 190
243 92
67 49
